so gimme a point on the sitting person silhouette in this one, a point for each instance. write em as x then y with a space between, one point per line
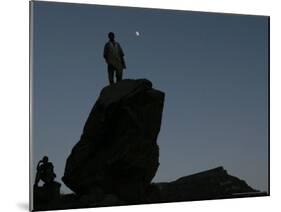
45 171
114 57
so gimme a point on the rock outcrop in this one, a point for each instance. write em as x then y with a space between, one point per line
117 157
211 184
47 196
117 153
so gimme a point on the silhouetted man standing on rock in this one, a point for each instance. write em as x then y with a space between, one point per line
114 57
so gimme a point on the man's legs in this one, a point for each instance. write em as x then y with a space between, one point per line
119 74
110 70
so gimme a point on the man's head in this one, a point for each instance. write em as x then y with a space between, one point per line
111 36
45 159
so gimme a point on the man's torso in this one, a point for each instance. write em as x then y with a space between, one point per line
113 54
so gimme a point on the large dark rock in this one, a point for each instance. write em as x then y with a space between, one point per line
117 153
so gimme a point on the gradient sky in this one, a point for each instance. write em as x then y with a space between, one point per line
212 67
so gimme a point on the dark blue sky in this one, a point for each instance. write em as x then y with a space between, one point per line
212 67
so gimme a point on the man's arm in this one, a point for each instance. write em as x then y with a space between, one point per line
105 51
121 52
38 165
